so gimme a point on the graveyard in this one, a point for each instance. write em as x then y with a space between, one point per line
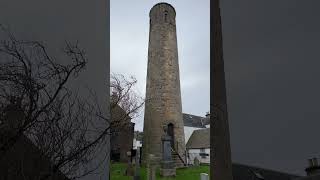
188 173
164 149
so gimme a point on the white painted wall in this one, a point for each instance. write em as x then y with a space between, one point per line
188 131
195 153
136 143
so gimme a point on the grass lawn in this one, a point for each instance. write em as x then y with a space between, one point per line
191 173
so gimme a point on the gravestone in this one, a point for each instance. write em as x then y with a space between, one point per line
129 170
204 176
167 165
196 162
151 167
137 163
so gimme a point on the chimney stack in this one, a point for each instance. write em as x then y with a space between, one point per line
207 115
313 168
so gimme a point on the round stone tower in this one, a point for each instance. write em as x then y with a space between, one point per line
163 97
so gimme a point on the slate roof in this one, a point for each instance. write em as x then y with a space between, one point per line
245 172
118 112
119 119
194 121
199 139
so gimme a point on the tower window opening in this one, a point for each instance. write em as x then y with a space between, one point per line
165 16
171 134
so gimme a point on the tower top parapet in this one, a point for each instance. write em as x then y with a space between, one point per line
162 13
163 5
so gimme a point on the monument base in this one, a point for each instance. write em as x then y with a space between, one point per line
167 169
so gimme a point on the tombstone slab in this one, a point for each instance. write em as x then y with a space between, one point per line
167 165
167 169
204 176
196 162
151 167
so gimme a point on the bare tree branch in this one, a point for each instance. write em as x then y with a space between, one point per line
53 117
36 103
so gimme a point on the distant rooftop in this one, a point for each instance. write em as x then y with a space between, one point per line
199 139
195 121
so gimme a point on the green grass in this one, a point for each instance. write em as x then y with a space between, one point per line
190 173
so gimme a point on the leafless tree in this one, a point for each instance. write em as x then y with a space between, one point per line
126 103
36 103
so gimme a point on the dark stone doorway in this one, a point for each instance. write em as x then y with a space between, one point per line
171 134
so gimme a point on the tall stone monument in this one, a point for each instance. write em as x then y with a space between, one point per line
163 97
221 165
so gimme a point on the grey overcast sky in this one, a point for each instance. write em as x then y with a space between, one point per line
53 23
129 35
271 52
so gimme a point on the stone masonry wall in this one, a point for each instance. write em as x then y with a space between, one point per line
163 97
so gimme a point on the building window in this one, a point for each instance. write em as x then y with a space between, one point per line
203 153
